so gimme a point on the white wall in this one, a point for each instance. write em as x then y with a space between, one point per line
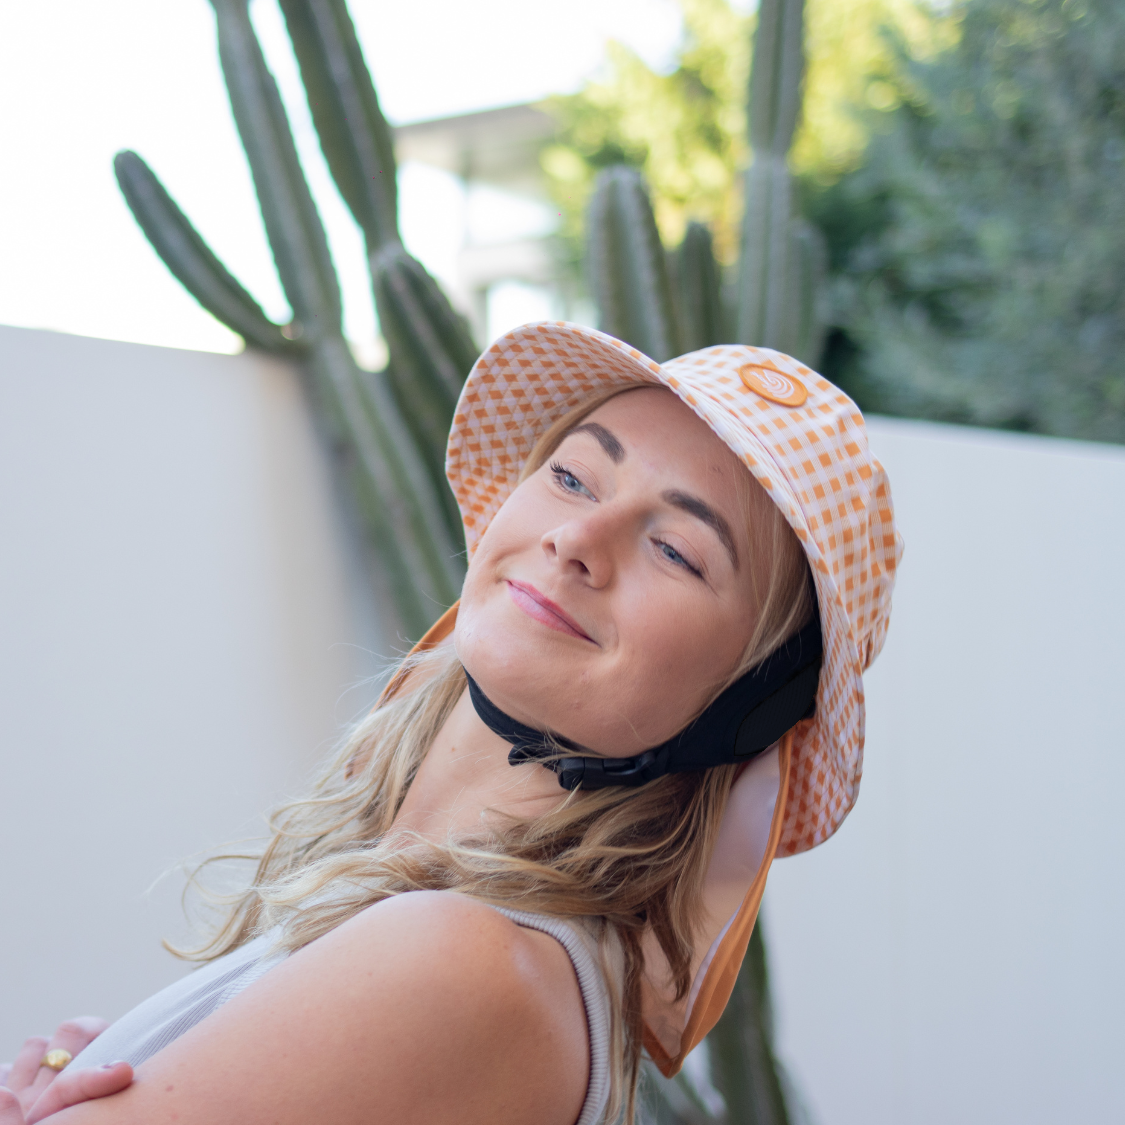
954 955
180 623
178 604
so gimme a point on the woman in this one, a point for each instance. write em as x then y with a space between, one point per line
582 772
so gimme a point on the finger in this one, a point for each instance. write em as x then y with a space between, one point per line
77 1034
26 1064
72 1036
10 1112
72 1087
5 1070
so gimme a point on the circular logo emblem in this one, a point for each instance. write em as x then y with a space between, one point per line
765 379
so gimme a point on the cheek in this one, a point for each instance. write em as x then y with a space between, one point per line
508 661
680 647
675 651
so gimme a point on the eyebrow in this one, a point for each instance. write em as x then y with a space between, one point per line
703 511
615 451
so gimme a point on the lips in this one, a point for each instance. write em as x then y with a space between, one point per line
545 611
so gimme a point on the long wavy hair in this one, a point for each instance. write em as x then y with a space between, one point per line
624 861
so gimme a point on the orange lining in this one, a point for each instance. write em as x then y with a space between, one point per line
719 982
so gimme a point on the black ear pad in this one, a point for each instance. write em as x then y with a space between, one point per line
747 718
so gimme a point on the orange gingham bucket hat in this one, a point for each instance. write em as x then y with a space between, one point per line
805 442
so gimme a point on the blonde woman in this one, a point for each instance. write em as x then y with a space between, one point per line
650 687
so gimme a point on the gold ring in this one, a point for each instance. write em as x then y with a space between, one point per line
57 1059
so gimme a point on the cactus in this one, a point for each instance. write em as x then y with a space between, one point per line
698 289
627 265
743 1066
389 426
431 349
782 263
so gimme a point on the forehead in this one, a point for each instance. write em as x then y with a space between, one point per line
669 447
652 422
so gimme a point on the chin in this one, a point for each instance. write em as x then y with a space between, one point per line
516 661
522 672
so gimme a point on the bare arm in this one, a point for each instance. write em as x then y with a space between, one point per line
424 1009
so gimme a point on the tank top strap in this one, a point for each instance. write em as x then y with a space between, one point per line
582 950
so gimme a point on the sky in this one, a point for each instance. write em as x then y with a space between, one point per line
81 80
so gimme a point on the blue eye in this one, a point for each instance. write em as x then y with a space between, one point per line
567 479
674 556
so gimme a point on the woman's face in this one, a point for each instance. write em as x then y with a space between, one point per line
611 595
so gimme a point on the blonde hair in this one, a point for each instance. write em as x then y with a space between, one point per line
623 860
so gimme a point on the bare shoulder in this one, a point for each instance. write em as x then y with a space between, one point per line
454 944
426 1008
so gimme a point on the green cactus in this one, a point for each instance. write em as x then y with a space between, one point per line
782 263
389 426
627 265
431 348
744 1068
190 259
698 289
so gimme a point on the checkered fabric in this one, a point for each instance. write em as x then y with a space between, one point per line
805 442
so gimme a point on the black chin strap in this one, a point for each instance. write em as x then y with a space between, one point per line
527 742
749 717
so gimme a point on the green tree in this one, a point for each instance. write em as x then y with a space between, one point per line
687 130
979 253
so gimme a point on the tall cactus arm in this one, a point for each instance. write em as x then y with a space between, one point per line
431 353
354 135
431 348
808 265
699 289
776 74
423 331
411 526
191 260
422 558
293 225
762 273
627 264
775 99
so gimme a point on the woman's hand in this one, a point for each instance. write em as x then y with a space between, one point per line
70 1088
31 1091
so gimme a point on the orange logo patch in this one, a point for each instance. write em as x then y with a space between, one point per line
765 379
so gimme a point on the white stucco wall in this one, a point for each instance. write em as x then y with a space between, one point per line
180 602
953 955
181 620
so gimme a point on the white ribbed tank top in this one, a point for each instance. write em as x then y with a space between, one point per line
163 1018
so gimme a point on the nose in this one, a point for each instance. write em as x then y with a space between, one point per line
583 548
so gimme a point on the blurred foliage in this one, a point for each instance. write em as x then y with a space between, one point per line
979 253
686 130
